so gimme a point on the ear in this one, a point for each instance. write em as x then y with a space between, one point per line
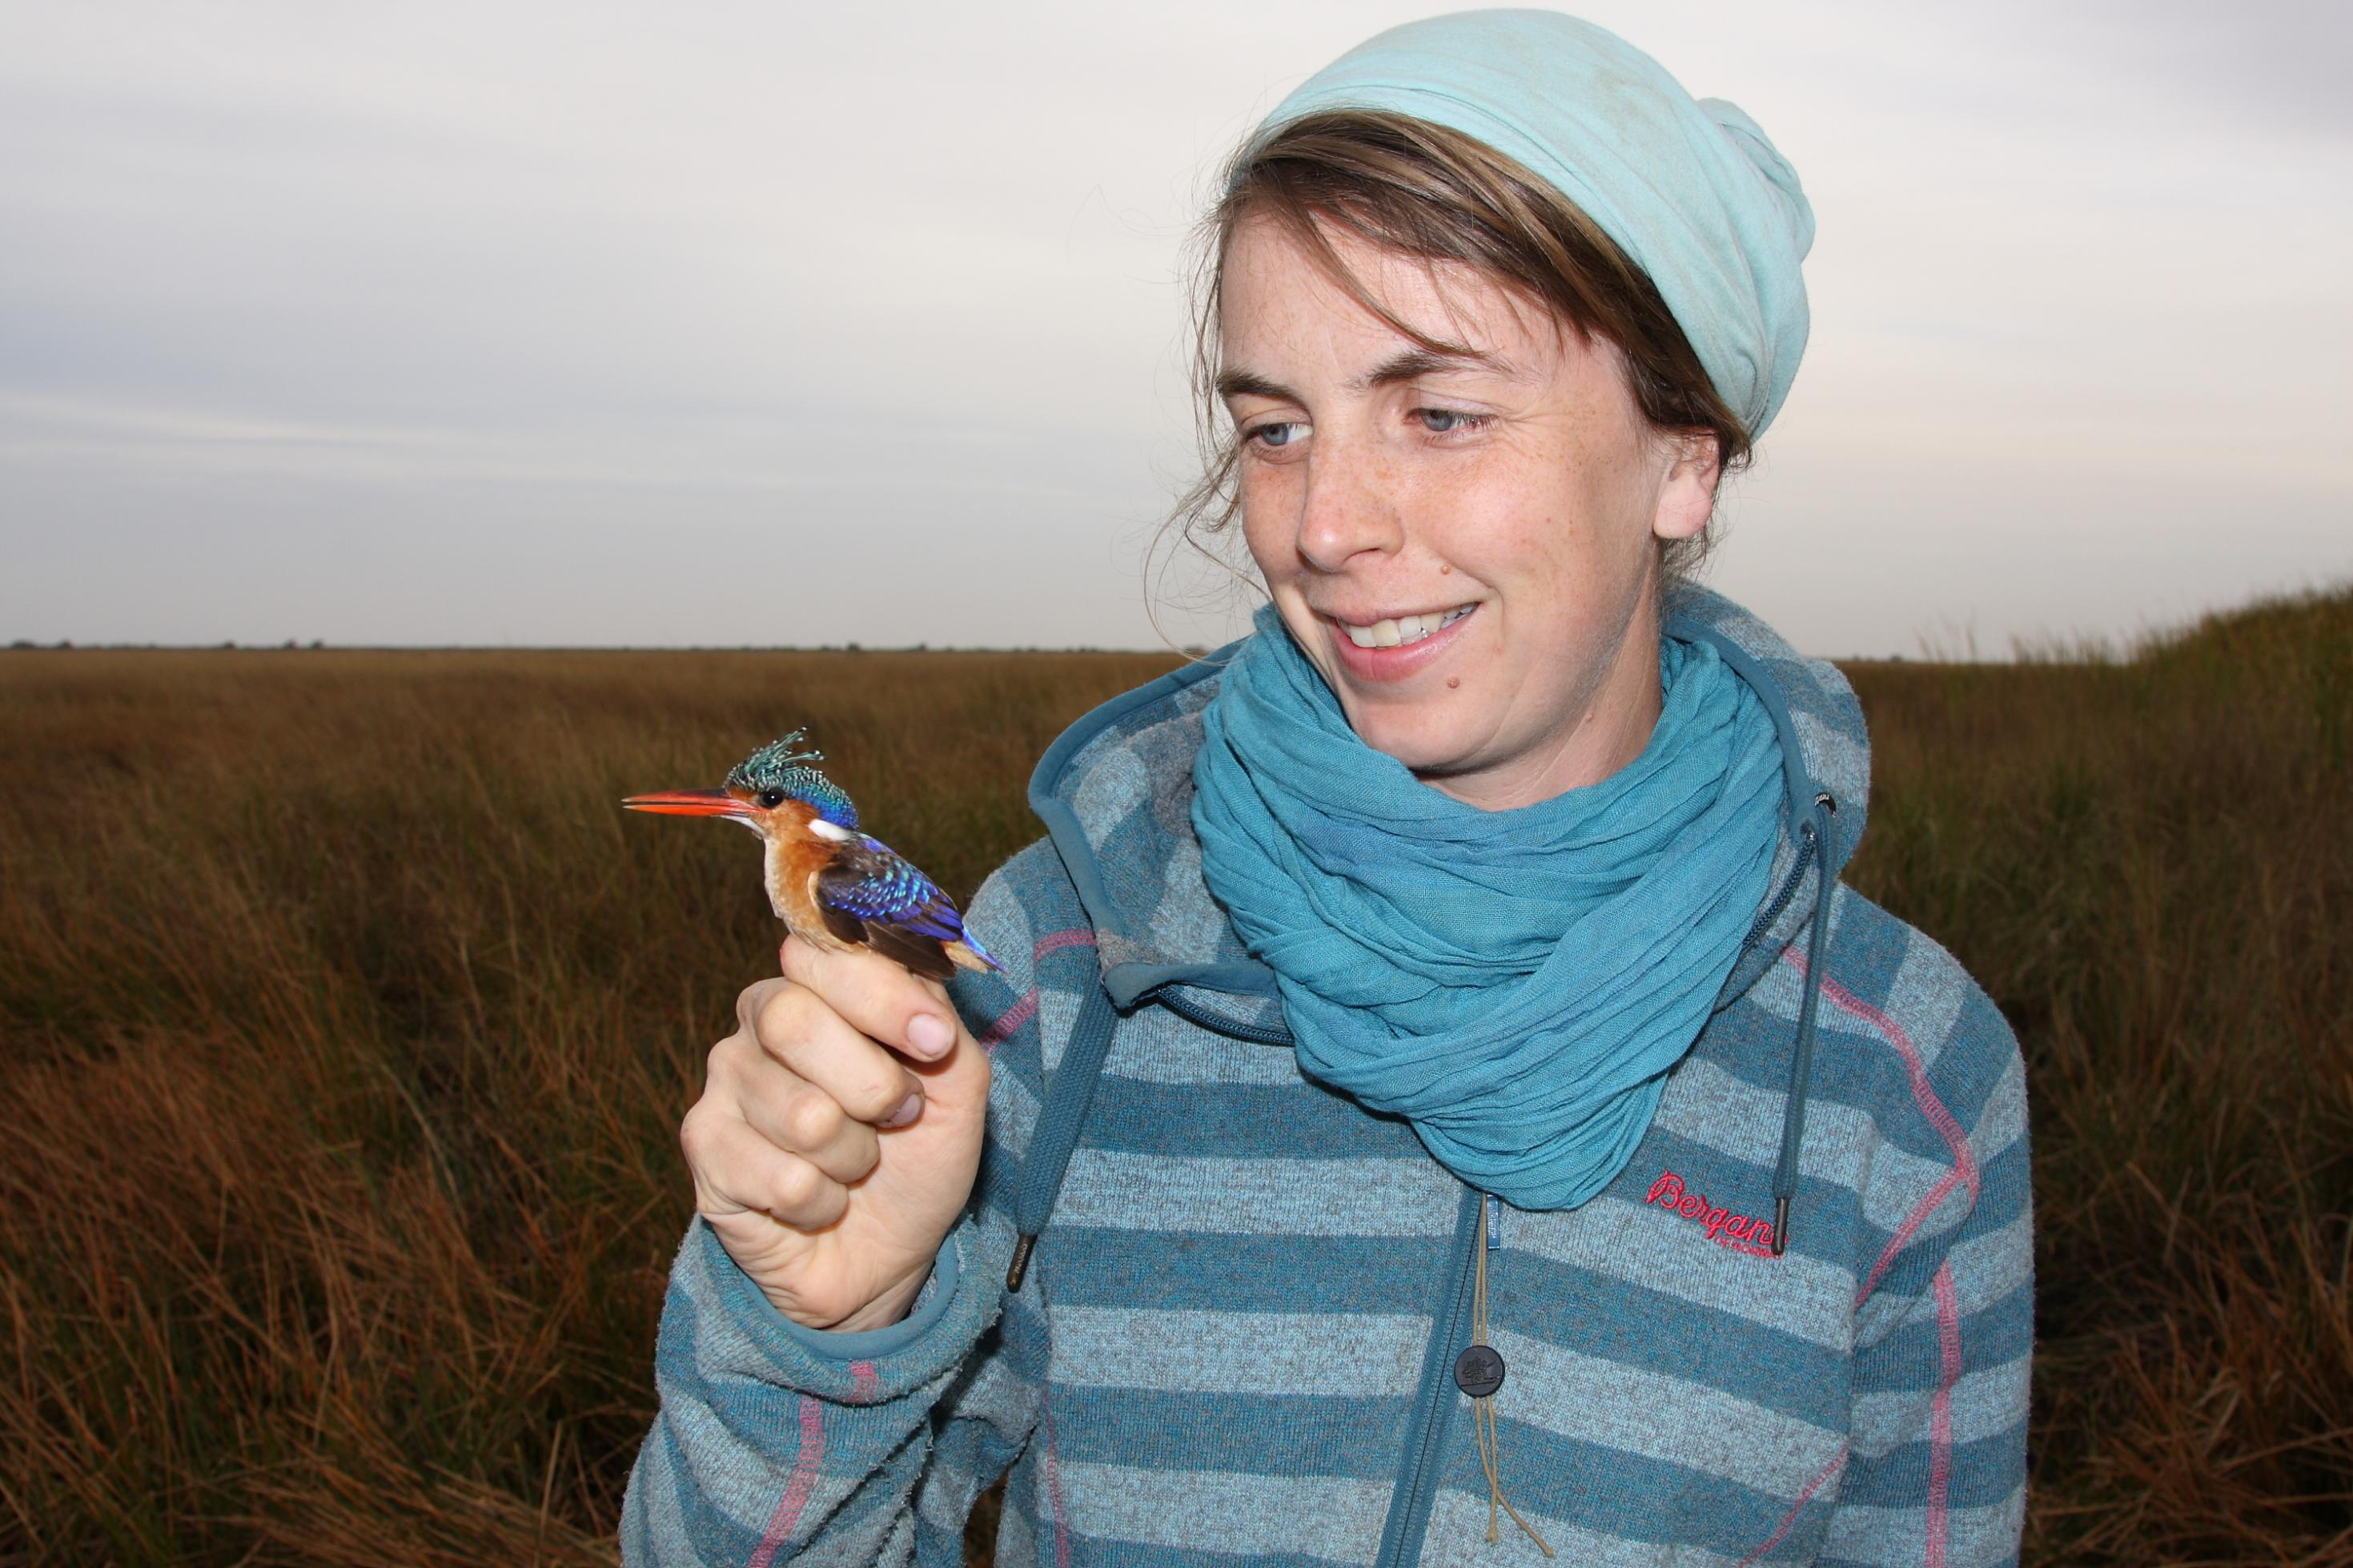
1687 497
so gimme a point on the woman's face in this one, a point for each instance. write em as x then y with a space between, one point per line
1464 546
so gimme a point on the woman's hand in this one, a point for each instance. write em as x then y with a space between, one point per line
838 1135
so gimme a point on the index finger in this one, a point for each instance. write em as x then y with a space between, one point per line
878 997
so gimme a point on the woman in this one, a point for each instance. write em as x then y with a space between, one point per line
1439 1095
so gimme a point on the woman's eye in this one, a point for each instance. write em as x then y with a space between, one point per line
1447 421
1282 432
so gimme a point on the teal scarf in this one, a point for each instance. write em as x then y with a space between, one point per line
1515 983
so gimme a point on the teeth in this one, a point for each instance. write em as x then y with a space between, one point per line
1404 629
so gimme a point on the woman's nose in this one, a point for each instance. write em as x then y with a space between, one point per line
1348 508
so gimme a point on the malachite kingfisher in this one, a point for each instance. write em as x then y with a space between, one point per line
831 885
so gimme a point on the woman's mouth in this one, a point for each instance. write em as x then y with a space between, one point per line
1404 630
1393 649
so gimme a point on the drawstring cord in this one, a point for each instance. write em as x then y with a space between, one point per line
1482 1413
1816 831
1801 1061
1056 1133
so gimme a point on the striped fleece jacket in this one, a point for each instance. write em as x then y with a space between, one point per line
1236 1340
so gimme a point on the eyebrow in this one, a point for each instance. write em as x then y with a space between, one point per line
1410 364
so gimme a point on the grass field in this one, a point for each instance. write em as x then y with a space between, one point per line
345 1024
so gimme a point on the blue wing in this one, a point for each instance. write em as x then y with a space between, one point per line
896 909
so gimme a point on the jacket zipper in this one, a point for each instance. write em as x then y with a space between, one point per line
1780 900
1262 1034
1433 1406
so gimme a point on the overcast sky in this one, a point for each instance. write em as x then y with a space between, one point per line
727 323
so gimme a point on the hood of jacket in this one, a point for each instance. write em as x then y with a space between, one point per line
1115 794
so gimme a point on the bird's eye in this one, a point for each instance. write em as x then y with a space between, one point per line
772 798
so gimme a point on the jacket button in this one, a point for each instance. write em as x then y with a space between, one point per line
1479 1370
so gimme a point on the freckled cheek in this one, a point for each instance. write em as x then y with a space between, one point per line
1511 551
1271 545
1270 516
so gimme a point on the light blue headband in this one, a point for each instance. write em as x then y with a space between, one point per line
1694 192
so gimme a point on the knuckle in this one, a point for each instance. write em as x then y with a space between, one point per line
694 1137
813 1120
721 1059
782 1016
799 1187
751 999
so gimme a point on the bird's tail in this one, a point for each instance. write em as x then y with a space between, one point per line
968 953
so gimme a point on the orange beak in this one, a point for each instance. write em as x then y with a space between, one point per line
691 803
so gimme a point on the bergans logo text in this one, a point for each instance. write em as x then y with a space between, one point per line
1736 1231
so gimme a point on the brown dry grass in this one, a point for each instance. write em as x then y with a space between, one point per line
2148 862
344 1027
347 1025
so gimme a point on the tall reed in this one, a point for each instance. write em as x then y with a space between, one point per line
2148 861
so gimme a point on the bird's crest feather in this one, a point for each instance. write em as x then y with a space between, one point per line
778 765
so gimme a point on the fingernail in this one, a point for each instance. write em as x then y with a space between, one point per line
929 1034
909 1109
